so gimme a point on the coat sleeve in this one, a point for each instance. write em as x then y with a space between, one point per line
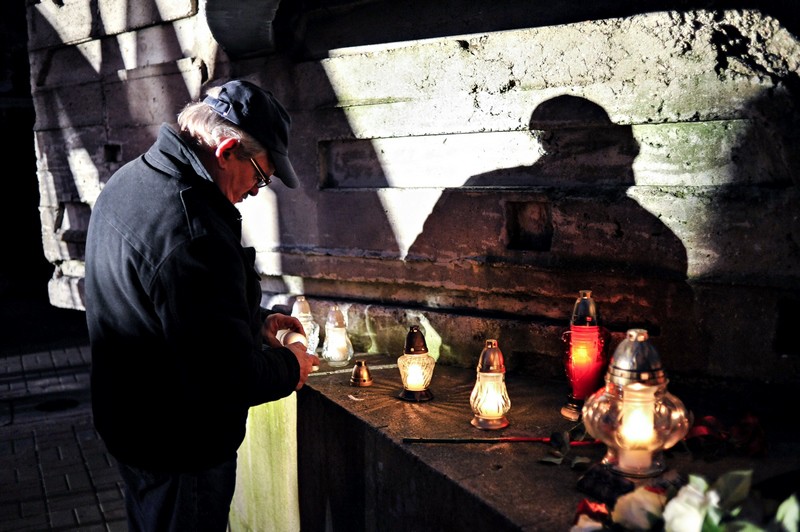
207 295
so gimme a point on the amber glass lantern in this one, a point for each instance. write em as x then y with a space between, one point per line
634 414
416 367
489 399
585 355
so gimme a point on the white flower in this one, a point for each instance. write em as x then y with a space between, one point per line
687 510
639 509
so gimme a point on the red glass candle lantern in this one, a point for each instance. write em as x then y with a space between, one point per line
585 356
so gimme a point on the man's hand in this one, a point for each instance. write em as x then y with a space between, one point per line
276 322
307 362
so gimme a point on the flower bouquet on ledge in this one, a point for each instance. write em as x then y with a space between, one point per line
728 504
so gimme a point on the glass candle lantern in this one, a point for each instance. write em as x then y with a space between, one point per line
489 399
336 348
416 367
302 311
634 414
585 357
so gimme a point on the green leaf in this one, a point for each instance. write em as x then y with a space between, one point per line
699 483
733 488
788 514
557 460
579 462
710 525
714 515
742 526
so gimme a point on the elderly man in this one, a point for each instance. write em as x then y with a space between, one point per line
180 345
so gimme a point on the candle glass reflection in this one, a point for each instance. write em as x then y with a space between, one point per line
489 398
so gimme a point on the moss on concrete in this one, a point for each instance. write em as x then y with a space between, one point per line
266 496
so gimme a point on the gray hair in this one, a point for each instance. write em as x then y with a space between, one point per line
203 128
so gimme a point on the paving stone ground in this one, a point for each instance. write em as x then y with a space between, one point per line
55 473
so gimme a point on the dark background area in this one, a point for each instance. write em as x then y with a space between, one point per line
28 322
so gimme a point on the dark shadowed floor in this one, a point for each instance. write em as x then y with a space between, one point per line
29 323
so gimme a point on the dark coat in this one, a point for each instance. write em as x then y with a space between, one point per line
173 309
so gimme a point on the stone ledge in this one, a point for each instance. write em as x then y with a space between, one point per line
356 472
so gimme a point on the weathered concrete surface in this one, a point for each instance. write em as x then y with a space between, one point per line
356 472
54 24
501 173
480 178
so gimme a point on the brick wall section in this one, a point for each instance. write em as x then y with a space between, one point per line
475 182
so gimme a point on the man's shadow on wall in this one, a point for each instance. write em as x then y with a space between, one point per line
570 214
581 147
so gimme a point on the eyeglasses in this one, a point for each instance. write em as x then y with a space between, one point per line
263 179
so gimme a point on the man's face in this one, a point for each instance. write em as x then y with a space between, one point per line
242 177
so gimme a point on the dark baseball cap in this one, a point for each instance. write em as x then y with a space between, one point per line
259 114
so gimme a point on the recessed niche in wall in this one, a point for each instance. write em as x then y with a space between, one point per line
529 225
112 153
349 164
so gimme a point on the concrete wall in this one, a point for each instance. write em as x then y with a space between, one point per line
472 174
468 170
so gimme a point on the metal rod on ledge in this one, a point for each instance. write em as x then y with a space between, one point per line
506 439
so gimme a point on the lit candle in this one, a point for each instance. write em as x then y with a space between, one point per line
637 432
586 364
585 360
491 400
580 354
634 414
337 349
415 378
416 367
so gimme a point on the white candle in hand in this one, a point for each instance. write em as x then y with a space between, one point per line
286 337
